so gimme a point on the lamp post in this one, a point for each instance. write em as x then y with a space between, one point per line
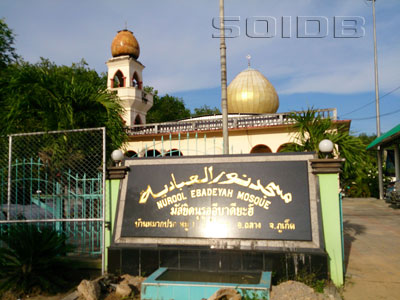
113 174
378 120
224 102
327 170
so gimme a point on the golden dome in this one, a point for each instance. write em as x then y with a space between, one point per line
250 92
125 43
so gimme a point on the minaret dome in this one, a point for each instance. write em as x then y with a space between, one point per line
125 43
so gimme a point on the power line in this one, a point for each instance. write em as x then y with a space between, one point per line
369 103
373 117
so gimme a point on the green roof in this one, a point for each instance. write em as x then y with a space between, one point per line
386 138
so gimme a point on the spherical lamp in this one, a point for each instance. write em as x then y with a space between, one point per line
325 146
117 156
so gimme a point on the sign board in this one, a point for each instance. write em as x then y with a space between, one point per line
260 200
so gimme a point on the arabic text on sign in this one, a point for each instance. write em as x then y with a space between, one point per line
270 190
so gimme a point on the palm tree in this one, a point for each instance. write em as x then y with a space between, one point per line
31 258
311 129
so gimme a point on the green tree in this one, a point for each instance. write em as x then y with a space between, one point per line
311 128
7 50
366 183
205 110
366 139
166 108
169 108
44 97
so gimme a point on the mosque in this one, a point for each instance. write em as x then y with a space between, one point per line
254 124
193 242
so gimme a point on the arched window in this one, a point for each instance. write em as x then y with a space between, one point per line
131 154
152 153
136 81
288 147
173 152
138 120
261 149
118 80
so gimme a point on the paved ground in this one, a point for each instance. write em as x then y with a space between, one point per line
372 249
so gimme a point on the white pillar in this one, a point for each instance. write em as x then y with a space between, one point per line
380 172
397 161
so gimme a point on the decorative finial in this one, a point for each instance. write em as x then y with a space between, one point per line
248 60
126 25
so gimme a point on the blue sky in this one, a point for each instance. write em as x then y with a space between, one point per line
182 57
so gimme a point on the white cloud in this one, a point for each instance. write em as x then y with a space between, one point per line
180 54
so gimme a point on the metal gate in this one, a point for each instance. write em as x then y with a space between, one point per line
56 179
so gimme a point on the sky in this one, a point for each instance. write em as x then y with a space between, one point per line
301 52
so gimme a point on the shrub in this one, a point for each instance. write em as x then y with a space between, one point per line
31 259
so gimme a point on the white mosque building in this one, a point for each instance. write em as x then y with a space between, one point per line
254 124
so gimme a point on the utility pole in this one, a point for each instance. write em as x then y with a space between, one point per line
378 120
224 101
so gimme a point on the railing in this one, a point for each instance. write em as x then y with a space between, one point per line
210 123
72 205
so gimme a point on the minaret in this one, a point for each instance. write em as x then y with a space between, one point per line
125 77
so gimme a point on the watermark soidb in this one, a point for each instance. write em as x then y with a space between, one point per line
288 27
349 26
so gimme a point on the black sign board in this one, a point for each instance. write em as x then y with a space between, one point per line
242 197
